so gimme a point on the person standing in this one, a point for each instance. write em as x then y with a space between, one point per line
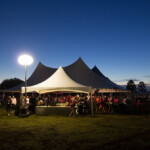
49 100
72 106
103 103
97 102
110 103
27 100
8 105
116 104
33 102
13 103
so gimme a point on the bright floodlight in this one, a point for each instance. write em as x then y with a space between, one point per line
25 60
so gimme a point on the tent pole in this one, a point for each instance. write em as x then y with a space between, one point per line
21 98
91 105
25 83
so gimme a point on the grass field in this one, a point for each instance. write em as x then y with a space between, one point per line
103 131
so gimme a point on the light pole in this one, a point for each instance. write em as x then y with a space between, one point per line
25 60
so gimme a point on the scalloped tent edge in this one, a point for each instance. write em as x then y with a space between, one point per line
59 81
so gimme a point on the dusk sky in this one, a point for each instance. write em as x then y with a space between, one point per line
114 35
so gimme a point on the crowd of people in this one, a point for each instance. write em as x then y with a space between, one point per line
27 105
110 103
11 105
78 103
81 104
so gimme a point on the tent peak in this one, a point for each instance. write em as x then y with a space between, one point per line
95 67
60 67
80 59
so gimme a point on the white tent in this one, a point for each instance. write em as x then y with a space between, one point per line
59 81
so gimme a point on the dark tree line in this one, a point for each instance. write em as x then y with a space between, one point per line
142 87
9 83
132 87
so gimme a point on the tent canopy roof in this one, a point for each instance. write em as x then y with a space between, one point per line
97 71
78 71
59 81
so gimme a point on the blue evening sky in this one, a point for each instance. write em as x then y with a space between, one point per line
112 34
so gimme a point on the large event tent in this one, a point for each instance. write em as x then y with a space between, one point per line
59 81
78 71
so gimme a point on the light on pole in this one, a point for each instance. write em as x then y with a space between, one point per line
25 60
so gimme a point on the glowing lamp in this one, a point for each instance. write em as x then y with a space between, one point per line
25 60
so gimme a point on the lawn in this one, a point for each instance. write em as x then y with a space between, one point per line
102 131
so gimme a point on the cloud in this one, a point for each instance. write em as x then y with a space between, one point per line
126 80
147 76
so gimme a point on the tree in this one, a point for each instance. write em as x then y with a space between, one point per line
141 87
9 83
131 86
